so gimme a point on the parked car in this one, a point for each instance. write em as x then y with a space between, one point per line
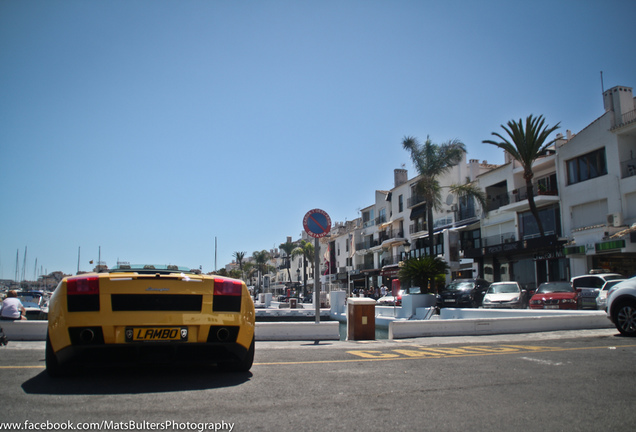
621 306
601 299
463 293
505 295
390 300
555 295
146 314
33 302
590 285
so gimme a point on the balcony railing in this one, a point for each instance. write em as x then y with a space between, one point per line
392 260
417 227
628 168
628 117
498 239
367 244
414 200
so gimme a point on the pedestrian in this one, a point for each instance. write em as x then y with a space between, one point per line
12 308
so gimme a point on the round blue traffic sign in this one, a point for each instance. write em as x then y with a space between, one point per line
317 223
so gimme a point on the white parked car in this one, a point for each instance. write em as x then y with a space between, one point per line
621 306
601 300
588 286
505 295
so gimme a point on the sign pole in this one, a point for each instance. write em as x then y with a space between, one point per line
317 278
317 224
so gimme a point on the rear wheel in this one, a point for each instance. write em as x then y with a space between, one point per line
53 367
625 318
242 365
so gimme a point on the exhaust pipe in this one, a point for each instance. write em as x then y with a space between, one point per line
87 336
223 334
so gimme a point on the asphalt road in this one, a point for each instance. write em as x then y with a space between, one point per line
576 380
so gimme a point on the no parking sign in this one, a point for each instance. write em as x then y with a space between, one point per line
317 223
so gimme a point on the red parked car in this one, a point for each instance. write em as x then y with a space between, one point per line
555 295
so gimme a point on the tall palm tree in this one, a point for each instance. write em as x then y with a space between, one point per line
526 144
288 248
239 256
306 251
260 262
431 161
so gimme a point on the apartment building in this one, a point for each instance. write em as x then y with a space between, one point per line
598 180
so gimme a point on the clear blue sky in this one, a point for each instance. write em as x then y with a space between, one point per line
150 128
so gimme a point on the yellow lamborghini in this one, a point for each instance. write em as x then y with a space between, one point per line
150 313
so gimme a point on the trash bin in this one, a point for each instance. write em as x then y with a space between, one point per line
360 319
292 303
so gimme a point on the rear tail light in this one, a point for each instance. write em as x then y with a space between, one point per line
83 286
82 294
226 287
227 295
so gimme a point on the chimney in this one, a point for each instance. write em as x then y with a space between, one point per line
400 176
620 100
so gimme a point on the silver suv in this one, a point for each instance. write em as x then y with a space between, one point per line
621 306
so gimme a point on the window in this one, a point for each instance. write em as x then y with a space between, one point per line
550 219
400 203
587 166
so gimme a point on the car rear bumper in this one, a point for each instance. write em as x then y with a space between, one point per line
150 353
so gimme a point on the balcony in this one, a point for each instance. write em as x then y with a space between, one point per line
367 244
627 118
628 168
415 200
508 237
417 227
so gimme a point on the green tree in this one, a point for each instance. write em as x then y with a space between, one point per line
260 263
240 256
432 161
526 143
288 248
306 251
422 272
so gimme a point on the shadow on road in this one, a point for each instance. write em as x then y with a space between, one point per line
134 380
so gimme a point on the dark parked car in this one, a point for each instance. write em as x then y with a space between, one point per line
463 293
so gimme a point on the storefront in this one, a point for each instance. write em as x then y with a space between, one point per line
529 262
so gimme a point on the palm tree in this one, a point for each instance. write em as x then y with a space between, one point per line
305 250
288 248
422 272
260 262
239 256
526 144
432 161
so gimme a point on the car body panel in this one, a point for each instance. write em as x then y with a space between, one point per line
130 300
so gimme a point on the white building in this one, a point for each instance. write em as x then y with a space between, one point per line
598 184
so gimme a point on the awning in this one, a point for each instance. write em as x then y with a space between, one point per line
624 232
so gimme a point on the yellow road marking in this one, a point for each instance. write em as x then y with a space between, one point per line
417 352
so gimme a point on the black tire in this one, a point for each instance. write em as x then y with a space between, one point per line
53 367
624 316
242 365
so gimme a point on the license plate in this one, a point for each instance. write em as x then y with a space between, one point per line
552 307
449 300
156 334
